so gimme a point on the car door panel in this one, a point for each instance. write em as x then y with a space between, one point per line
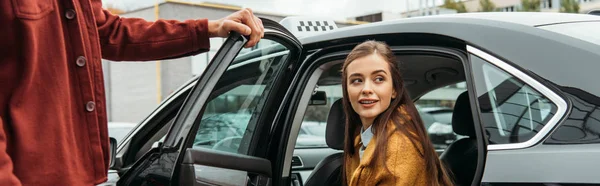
213 167
230 120
179 162
255 79
150 169
205 176
544 163
216 158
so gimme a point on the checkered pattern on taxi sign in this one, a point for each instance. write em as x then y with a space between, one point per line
308 26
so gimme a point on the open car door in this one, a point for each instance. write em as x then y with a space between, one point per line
214 137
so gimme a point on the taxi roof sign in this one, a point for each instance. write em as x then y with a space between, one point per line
302 26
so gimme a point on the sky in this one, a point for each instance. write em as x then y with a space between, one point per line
337 9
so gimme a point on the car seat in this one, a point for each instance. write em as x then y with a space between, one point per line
460 157
329 170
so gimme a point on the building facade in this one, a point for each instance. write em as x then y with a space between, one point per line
471 6
545 5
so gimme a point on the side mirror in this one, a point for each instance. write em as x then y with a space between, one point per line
318 98
113 151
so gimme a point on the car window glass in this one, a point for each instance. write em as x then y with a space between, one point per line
435 108
583 124
433 105
312 130
511 111
237 99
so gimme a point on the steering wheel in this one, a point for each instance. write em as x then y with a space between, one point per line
229 144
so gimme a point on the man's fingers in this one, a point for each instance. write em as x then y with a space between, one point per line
261 26
256 33
245 23
237 27
247 17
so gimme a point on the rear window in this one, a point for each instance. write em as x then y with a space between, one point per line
587 31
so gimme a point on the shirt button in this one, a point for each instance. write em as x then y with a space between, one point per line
90 106
70 14
80 61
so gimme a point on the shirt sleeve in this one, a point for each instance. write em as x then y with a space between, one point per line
7 176
134 39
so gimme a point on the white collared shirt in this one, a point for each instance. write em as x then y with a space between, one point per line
365 138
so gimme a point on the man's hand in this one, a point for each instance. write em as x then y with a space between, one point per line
243 22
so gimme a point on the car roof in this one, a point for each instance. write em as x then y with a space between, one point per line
515 38
524 18
529 19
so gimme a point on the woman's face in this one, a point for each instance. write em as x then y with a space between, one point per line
370 87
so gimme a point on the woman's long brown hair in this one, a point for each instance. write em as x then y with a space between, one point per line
435 171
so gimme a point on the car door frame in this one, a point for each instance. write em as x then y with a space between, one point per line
173 149
324 49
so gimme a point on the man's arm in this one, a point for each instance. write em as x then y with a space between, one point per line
7 177
134 39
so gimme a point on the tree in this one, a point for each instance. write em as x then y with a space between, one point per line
486 6
569 6
452 4
530 5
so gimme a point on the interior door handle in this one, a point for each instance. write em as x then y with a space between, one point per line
258 180
296 183
296 179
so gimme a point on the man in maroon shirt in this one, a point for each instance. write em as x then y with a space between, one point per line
52 105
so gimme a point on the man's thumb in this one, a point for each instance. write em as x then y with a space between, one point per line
238 27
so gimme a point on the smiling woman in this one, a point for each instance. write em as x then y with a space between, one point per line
383 127
370 87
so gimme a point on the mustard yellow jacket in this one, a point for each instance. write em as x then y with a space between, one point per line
404 161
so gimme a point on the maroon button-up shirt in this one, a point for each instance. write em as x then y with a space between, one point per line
52 105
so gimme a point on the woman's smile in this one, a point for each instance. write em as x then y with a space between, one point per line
367 103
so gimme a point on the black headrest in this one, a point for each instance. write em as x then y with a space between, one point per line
462 119
336 125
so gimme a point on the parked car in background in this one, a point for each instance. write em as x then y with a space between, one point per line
224 132
438 126
312 135
440 114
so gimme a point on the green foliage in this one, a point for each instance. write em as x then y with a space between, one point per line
530 5
569 6
452 4
486 6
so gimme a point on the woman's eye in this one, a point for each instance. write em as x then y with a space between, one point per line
379 79
353 81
